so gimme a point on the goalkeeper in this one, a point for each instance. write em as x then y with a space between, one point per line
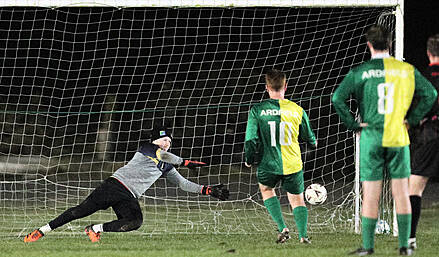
275 125
122 190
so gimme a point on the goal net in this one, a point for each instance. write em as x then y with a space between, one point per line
81 87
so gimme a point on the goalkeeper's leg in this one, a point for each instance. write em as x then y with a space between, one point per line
87 207
129 217
128 212
100 199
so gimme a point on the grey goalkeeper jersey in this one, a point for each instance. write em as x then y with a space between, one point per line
149 164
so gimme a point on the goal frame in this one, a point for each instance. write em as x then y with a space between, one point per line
398 43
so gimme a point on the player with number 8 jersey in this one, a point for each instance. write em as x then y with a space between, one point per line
384 88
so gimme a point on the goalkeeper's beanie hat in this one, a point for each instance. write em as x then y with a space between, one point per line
160 132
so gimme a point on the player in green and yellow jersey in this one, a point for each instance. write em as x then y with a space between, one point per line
384 88
273 128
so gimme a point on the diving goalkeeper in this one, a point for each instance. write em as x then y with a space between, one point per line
122 190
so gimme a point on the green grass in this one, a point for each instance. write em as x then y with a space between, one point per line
262 244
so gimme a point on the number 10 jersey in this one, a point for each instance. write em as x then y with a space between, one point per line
272 133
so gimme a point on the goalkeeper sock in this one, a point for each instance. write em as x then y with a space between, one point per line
301 218
46 228
273 207
415 201
98 228
368 226
404 223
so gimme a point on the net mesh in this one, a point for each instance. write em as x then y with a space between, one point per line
82 86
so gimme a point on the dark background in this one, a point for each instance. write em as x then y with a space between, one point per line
68 73
198 70
80 87
59 66
421 20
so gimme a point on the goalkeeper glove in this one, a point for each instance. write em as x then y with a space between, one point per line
193 164
216 191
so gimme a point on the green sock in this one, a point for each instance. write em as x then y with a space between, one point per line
301 218
273 207
368 226
404 227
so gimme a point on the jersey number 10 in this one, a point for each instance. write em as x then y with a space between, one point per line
285 133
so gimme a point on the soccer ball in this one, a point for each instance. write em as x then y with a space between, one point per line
315 194
382 227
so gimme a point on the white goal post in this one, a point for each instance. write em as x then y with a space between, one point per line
83 82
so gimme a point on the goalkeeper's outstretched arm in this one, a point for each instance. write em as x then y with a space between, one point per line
176 160
216 191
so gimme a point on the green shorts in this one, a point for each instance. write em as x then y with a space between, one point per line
292 183
375 160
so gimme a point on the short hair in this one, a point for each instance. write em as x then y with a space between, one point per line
379 37
275 79
433 45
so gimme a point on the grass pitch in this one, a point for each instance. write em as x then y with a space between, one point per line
131 244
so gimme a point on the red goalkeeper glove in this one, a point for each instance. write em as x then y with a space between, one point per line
193 164
216 191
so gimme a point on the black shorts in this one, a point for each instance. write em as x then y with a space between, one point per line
111 193
425 158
